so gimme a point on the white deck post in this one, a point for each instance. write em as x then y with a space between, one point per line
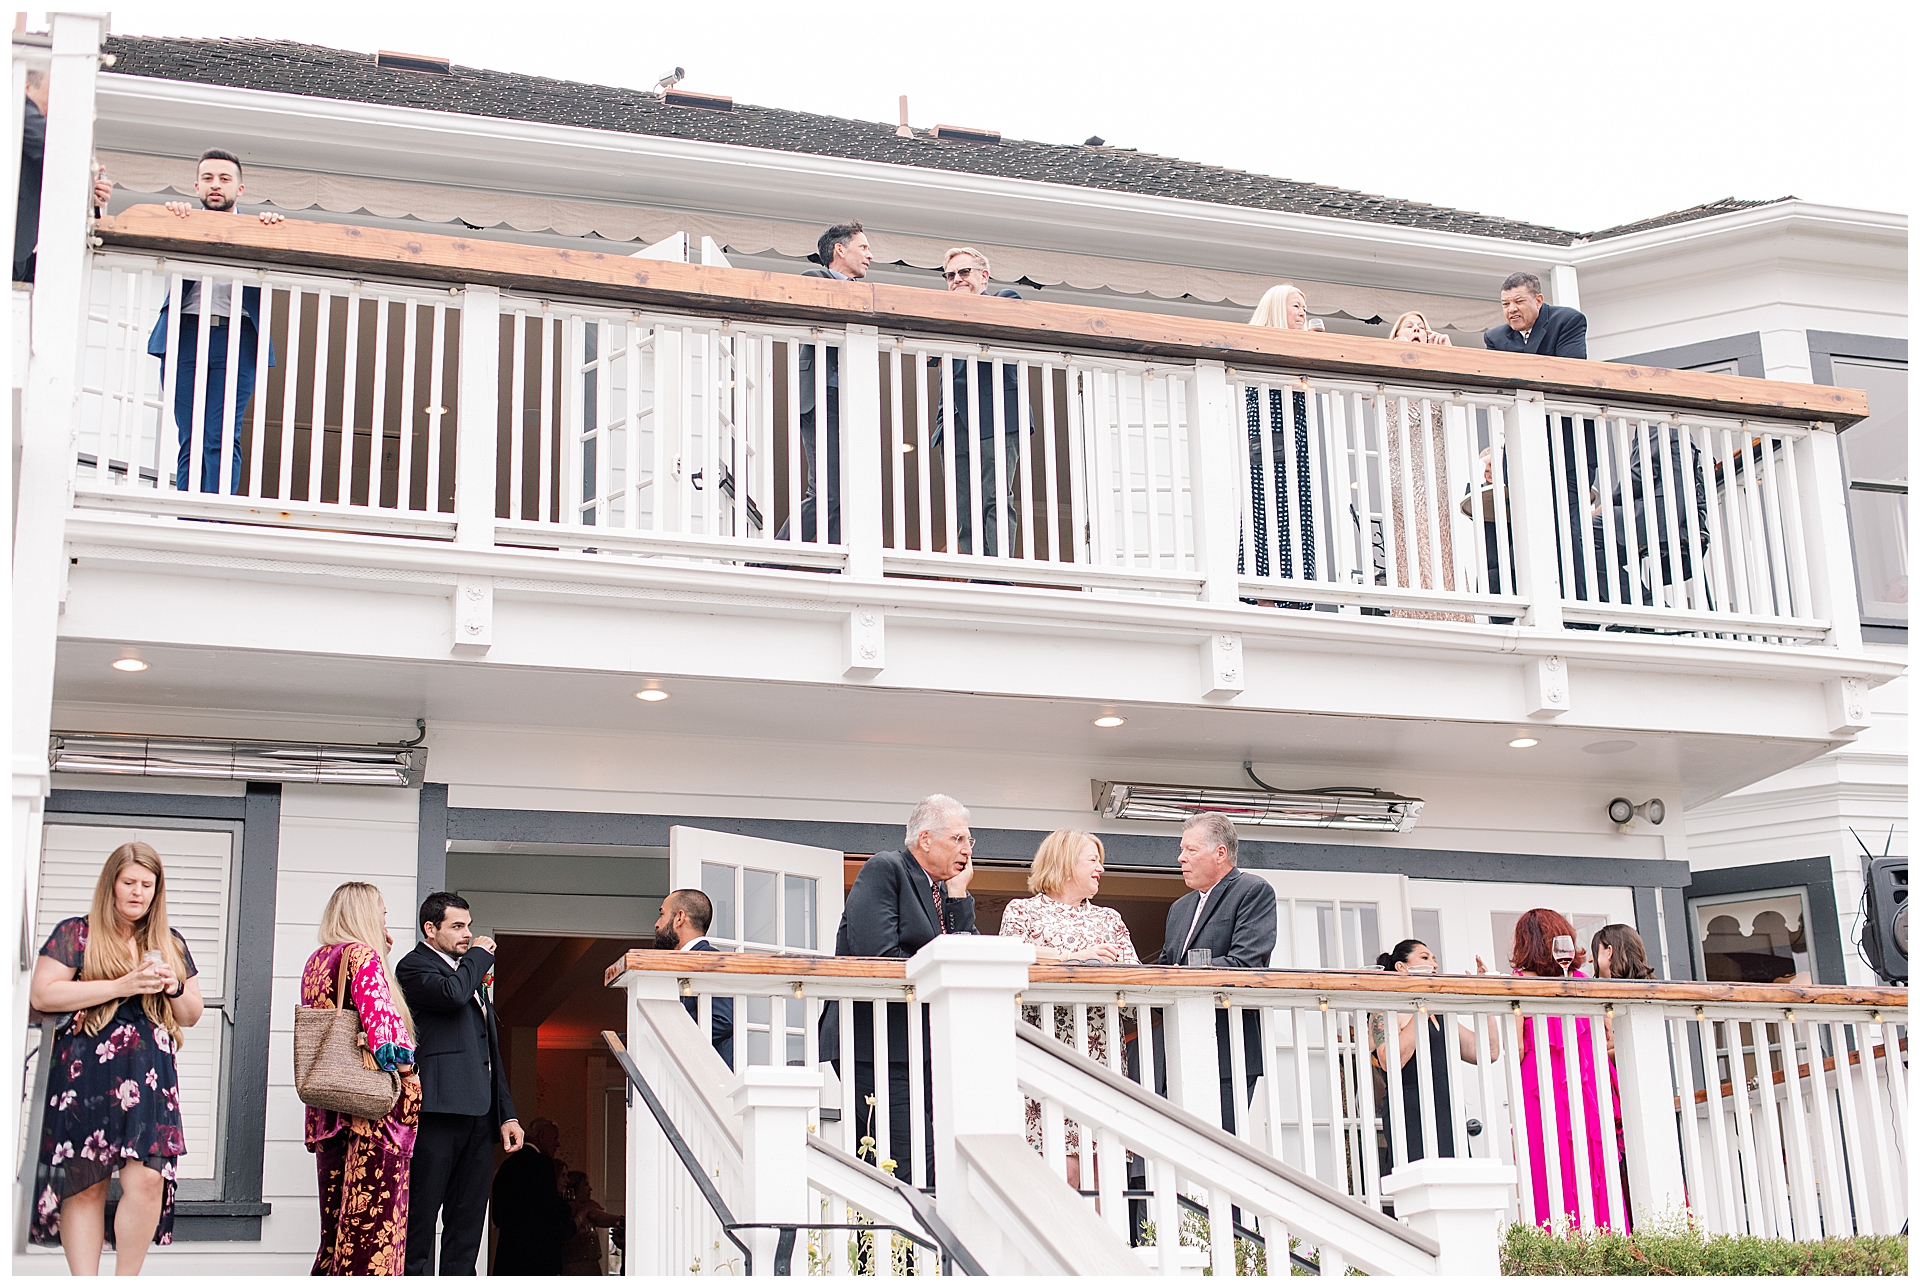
1536 556
773 1102
1654 1174
1193 1055
860 482
1215 470
651 1224
476 446
1823 502
1459 1203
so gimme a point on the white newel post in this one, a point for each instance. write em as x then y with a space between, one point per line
773 1102
860 484
651 1234
1193 1055
1645 1066
969 983
1215 468
43 487
476 455
1457 1202
1530 486
1823 502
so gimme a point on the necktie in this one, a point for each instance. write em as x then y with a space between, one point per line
1198 908
940 907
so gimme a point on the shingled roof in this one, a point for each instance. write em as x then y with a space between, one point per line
1723 206
288 67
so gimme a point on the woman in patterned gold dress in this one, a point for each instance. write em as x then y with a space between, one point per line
363 1163
1063 924
1420 562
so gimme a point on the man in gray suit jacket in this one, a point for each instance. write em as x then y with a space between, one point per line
844 255
1231 916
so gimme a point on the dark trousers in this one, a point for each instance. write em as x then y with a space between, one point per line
212 419
989 492
816 485
452 1169
899 1146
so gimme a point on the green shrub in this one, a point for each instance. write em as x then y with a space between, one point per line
1680 1250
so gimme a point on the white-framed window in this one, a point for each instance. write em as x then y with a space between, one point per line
201 864
1755 938
1875 452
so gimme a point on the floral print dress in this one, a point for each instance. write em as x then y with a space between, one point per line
364 1164
1073 930
111 1096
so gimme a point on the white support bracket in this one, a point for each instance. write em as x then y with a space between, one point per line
863 640
472 616
1847 710
1223 666
1547 691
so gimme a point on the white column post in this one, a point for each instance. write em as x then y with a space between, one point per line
1640 1054
1193 1055
773 1101
43 487
1457 1202
1215 468
1530 484
477 447
1823 503
860 483
651 1227
1566 286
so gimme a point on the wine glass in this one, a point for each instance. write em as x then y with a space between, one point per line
1563 951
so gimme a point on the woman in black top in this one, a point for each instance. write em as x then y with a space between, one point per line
114 1089
1411 957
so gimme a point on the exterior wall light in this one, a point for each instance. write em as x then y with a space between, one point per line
1621 812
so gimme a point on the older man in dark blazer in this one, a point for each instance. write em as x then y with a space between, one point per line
465 1106
901 901
1229 917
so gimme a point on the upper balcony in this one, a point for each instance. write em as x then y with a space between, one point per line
515 423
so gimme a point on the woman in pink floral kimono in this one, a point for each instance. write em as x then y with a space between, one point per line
363 1163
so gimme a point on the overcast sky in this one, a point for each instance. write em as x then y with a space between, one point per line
1576 116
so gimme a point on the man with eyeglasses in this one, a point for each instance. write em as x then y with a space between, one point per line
899 903
968 273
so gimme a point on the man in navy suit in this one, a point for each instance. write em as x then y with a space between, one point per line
685 916
1551 331
1229 917
968 273
844 254
217 184
899 903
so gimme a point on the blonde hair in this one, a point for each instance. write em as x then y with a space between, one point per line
1272 309
1401 321
1053 861
966 250
107 934
356 914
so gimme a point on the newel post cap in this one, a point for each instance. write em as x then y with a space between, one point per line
972 962
1450 1185
762 1086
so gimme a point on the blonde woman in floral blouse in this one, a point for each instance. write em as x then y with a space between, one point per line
363 1163
1064 925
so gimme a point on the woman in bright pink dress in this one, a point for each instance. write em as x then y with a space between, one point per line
1532 954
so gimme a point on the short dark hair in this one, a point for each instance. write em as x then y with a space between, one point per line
434 910
221 154
1528 280
838 235
695 904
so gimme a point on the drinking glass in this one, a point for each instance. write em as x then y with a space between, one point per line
1315 324
1563 951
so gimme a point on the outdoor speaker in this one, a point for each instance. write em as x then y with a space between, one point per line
1884 937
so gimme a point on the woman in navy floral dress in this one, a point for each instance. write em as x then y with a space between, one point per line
114 1091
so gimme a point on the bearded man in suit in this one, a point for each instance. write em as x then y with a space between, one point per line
901 901
1229 916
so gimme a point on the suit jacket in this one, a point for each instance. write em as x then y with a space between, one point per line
249 312
1558 332
26 208
534 1221
1009 414
722 1009
806 359
889 913
458 1051
1239 926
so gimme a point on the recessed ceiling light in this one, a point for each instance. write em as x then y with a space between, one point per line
1611 748
1109 722
1524 742
653 695
129 664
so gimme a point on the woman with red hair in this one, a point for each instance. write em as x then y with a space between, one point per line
1533 938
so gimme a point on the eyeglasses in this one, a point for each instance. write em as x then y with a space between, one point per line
961 838
962 273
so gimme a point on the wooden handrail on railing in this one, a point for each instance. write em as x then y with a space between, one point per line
1509 987
726 292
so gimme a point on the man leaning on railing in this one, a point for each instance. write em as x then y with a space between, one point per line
968 273
844 255
217 183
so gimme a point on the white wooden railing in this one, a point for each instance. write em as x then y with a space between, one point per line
647 433
1748 1109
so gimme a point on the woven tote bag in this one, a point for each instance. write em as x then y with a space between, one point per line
328 1071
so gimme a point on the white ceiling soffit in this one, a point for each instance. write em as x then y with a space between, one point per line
294 190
